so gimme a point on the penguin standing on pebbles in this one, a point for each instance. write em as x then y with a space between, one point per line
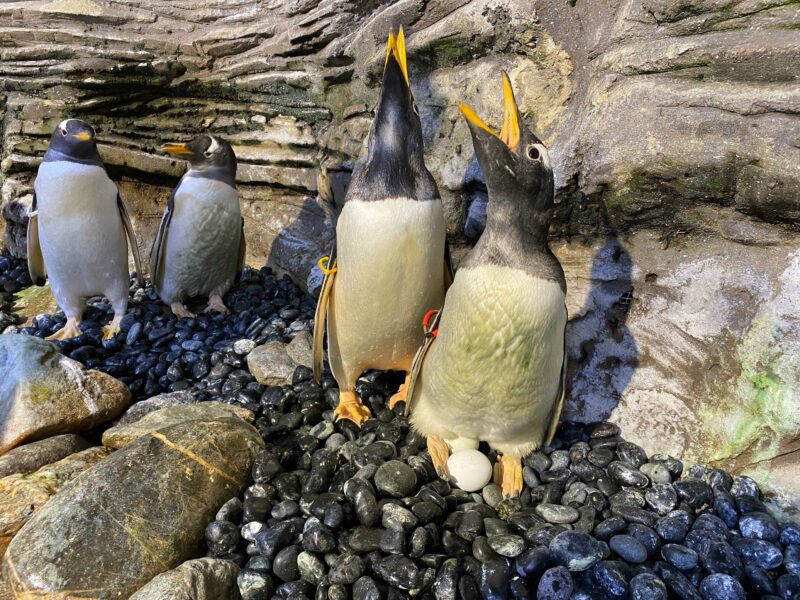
390 264
495 370
200 246
77 229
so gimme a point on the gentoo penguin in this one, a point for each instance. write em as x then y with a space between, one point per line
200 247
77 229
390 264
495 370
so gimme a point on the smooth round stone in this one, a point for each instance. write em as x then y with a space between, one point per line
646 536
625 474
243 346
555 584
657 473
721 558
310 567
469 469
760 526
662 497
222 537
764 554
790 533
672 528
346 570
612 575
507 545
605 430
397 517
791 558
492 494
680 557
254 585
647 586
695 493
721 587
629 548
575 550
285 564
555 513
398 571
396 479
609 527
745 486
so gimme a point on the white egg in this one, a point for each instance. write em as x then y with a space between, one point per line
469 469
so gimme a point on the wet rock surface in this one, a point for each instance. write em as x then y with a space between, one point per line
43 393
145 505
199 579
21 496
29 457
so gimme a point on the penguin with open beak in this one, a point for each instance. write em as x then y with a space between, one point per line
77 229
495 370
200 248
390 263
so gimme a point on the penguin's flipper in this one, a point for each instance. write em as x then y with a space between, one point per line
449 272
36 266
321 314
556 414
126 222
242 252
160 244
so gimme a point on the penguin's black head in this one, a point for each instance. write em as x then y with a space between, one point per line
515 163
73 139
208 156
395 164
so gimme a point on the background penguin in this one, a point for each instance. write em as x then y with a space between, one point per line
200 246
390 249
77 229
495 371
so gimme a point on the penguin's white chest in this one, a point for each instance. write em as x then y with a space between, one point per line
202 246
80 230
390 261
494 371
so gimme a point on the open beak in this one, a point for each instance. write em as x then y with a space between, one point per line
396 48
82 136
176 149
509 133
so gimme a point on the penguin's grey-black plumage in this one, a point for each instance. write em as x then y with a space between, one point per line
77 228
390 249
200 247
495 371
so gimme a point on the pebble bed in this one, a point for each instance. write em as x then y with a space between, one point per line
340 513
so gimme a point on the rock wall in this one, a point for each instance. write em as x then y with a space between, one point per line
673 125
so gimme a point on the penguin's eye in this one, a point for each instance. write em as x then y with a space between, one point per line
534 153
63 131
416 110
207 153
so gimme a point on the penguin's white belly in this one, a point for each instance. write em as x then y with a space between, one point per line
80 232
494 371
202 246
390 272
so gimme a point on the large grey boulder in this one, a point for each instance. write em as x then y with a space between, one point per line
44 393
141 511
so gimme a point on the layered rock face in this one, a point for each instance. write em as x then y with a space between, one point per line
672 125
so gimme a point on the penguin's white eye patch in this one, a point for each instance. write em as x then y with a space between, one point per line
63 131
416 110
208 153
534 153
